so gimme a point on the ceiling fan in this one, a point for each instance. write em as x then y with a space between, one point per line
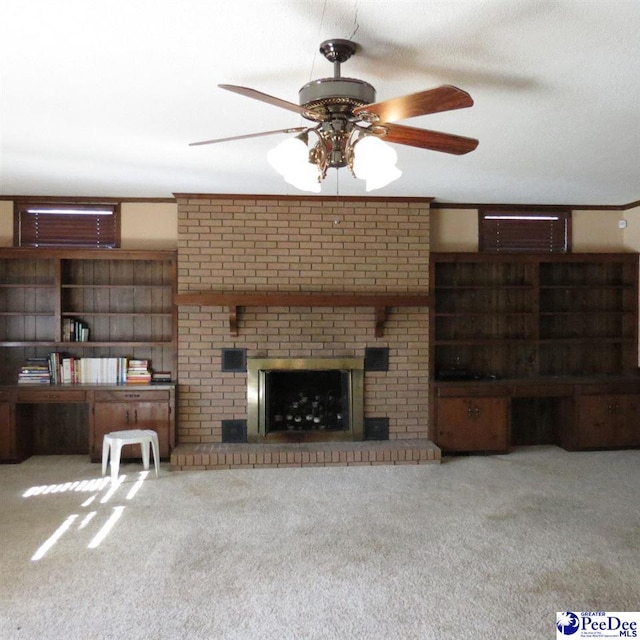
344 113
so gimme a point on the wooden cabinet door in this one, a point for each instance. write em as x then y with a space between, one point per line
609 420
472 424
119 416
629 434
598 418
7 444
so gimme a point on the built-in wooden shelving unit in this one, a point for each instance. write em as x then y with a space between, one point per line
125 301
534 349
125 298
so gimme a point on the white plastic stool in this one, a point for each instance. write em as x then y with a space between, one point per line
115 440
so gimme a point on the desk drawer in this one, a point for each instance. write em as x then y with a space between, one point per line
131 395
5 395
467 391
41 396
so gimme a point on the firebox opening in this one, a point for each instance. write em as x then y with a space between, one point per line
307 401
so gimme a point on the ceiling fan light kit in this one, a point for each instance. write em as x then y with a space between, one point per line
374 161
291 160
351 129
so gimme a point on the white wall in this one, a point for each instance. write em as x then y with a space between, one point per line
6 223
454 229
598 231
632 232
144 225
149 225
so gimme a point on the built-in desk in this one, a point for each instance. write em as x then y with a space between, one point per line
576 413
72 419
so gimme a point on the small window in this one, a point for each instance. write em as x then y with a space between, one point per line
535 231
67 225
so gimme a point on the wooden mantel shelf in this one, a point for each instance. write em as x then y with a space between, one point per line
380 302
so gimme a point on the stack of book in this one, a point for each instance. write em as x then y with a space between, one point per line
138 372
35 371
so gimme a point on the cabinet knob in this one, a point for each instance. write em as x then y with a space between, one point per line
473 412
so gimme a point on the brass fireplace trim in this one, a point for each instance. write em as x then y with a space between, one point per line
257 367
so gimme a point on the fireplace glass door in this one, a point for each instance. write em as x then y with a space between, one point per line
307 401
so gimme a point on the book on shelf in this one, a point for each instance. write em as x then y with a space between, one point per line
66 369
74 330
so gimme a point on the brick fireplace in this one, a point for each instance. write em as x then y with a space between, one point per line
307 273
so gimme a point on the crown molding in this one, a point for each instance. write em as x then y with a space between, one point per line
535 207
329 199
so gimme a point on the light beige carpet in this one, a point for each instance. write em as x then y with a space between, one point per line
477 547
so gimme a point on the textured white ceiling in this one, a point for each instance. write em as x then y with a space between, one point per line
102 98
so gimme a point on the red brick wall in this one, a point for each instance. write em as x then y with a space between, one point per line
228 243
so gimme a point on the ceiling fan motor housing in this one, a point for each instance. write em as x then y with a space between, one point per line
336 95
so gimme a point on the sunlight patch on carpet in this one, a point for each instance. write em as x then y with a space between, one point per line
92 518
58 533
106 528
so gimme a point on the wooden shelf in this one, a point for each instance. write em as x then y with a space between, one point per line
126 296
86 343
111 314
234 301
583 304
116 286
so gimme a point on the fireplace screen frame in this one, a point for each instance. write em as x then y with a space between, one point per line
257 369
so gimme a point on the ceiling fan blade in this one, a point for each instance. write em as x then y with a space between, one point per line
248 135
263 97
444 98
425 139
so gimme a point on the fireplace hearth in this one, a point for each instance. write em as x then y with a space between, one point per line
304 399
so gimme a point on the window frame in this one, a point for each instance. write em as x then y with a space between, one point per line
519 222
87 235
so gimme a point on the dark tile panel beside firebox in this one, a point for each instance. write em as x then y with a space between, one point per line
376 359
234 360
376 428
234 431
